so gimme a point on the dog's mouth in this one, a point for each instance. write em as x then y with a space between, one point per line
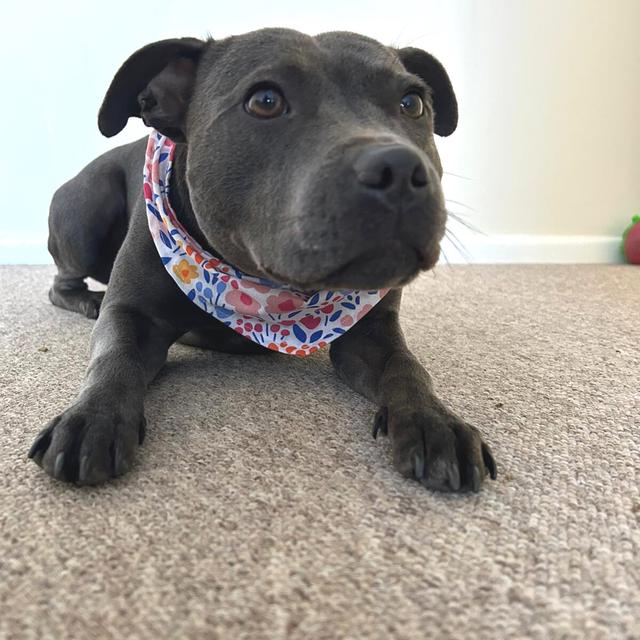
385 267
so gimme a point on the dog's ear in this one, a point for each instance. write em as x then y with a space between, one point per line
445 105
154 84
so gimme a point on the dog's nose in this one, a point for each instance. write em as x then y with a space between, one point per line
390 167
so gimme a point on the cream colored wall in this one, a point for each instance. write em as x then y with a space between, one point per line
550 115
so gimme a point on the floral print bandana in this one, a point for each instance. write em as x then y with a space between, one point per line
273 315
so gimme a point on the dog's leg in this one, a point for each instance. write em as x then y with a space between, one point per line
87 224
96 437
72 293
429 442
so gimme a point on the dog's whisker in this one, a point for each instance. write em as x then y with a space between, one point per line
456 242
459 214
457 175
462 204
456 218
470 227
444 255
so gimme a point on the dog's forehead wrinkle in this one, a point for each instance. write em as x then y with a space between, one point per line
269 44
354 55
356 43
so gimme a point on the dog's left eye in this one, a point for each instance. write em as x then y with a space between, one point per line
266 102
412 105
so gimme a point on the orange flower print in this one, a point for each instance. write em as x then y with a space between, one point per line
185 271
192 252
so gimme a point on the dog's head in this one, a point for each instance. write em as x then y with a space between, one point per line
310 160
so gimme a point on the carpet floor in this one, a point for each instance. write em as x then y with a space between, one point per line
260 506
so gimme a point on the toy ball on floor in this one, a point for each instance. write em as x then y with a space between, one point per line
631 241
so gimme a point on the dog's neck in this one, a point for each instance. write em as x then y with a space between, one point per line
180 201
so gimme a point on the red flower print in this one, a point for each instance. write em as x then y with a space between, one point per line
284 302
310 322
242 302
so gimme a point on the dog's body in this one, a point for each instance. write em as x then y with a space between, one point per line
305 161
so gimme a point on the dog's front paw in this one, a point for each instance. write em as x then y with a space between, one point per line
88 446
437 448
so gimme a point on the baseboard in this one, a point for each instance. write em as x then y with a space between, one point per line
471 249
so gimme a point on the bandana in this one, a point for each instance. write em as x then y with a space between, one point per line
273 315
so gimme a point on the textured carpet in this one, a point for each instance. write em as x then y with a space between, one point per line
261 507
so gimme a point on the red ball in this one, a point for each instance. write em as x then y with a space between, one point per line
632 244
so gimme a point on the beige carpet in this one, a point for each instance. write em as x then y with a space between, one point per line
262 508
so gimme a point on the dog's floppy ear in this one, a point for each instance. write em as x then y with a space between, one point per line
445 105
154 84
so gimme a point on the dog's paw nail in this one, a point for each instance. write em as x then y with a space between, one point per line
119 465
83 473
142 430
476 479
40 444
454 477
58 467
418 464
489 462
380 423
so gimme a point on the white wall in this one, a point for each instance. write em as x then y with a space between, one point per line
551 130
548 91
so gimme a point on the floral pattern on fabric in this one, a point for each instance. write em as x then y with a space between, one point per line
273 315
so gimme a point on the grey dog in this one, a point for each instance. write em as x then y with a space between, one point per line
308 161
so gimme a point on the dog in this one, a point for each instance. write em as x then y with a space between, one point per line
304 187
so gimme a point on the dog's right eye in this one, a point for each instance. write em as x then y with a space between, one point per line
266 102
